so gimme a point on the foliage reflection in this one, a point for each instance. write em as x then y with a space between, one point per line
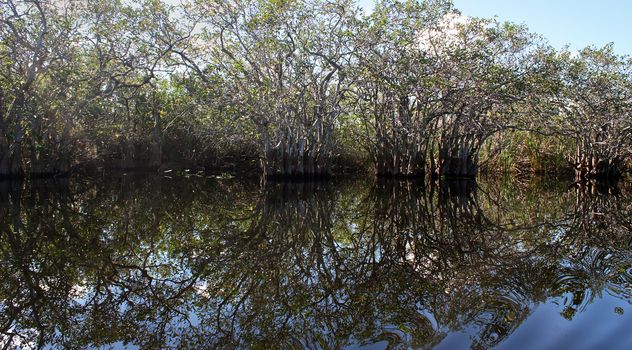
171 263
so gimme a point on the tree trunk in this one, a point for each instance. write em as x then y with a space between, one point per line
65 149
458 160
155 157
5 158
293 158
594 167
10 146
128 161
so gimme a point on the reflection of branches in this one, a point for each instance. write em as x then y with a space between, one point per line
200 264
596 245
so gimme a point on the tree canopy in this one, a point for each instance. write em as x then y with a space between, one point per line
298 89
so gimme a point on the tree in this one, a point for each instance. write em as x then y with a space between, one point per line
132 48
27 44
284 66
485 73
393 89
595 109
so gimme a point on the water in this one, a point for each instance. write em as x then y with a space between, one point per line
150 262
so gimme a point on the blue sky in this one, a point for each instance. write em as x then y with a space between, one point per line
575 22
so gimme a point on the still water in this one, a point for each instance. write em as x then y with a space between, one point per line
150 262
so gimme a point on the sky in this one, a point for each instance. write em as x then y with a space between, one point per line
578 23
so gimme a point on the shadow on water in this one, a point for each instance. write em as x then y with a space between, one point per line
203 264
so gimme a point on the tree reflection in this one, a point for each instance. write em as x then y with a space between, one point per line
194 264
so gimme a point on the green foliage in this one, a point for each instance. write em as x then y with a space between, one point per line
131 84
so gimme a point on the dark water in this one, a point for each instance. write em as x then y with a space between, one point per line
151 263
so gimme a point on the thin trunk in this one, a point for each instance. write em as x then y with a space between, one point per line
155 158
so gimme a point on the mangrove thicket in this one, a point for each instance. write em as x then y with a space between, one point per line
301 89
